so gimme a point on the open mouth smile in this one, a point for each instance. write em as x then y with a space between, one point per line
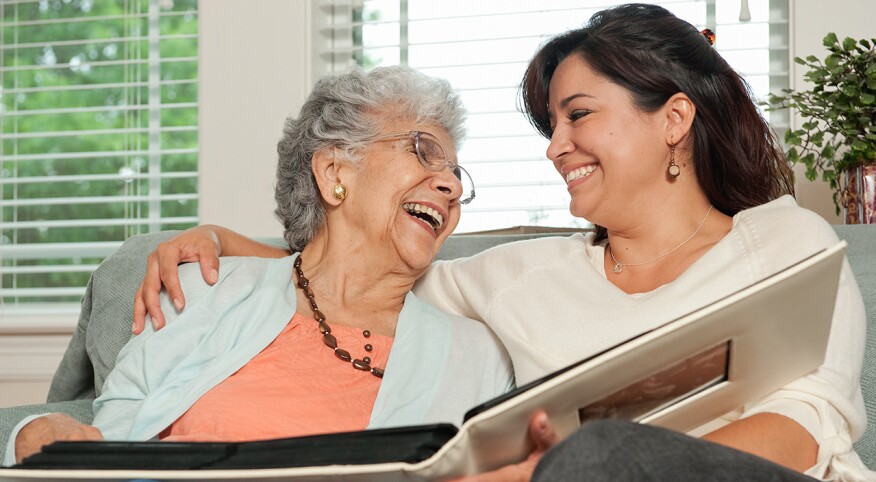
580 172
425 213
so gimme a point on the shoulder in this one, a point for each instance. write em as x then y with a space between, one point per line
784 224
467 335
239 277
526 254
237 270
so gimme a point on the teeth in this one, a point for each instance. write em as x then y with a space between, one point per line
580 172
435 219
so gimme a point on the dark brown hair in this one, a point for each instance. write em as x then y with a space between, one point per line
654 55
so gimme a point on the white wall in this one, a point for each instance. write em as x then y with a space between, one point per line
811 20
253 72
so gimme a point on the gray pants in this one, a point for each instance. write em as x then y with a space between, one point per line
623 451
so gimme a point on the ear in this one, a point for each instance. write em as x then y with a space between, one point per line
680 112
328 169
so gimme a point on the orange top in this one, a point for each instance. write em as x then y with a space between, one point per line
296 386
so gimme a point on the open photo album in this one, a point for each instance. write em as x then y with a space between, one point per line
679 375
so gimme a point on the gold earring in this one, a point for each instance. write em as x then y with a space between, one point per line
339 192
673 170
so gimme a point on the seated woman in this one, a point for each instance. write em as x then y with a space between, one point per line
330 338
660 145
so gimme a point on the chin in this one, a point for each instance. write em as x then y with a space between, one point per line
580 209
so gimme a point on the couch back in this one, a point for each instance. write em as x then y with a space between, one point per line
862 257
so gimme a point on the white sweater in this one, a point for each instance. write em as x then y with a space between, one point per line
550 303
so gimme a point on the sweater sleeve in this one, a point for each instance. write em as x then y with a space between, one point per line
468 286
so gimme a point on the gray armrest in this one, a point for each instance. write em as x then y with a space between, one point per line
105 320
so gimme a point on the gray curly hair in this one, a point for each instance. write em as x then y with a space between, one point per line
346 112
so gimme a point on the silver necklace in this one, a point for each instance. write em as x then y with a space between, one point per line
618 266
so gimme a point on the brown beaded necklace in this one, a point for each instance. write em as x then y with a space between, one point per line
330 341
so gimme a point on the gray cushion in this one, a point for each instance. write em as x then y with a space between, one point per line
862 257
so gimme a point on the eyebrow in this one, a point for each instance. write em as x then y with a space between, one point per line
565 102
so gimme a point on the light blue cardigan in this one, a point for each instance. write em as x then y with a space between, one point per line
440 365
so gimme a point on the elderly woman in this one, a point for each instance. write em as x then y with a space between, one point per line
330 338
660 146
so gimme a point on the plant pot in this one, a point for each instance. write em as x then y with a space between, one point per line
859 195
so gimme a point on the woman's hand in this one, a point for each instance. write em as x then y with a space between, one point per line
543 437
51 428
201 244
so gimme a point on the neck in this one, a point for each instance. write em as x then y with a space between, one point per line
352 284
659 230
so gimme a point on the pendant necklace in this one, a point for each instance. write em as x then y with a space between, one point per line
618 266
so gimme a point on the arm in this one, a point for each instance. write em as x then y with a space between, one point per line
44 430
203 244
825 407
771 436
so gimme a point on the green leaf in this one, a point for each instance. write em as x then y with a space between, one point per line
850 90
829 175
859 144
832 61
867 99
866 44
849 43
830 39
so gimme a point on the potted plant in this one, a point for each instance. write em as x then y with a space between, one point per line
838 138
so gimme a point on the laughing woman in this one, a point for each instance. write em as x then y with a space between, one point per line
368 188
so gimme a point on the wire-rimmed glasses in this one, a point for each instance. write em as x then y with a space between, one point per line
434 158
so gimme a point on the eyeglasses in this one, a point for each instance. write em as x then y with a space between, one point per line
434 158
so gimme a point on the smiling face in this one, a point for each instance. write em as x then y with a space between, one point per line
612 155
395 203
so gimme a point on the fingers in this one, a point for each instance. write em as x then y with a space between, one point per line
210 268
543 436
139 312
148 292
168 262
542 432
199 244
48 429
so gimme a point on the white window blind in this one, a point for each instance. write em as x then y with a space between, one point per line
98 138
482 47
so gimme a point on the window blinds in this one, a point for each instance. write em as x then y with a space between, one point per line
98 138
482 48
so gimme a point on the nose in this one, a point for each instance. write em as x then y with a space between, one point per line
561 143
445 182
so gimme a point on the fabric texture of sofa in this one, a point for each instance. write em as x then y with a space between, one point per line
105 324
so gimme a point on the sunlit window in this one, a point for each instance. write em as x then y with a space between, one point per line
98 138
482 48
